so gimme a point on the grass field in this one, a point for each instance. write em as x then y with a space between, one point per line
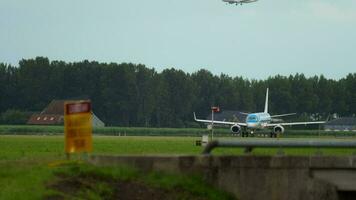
113 131
140 131
25 161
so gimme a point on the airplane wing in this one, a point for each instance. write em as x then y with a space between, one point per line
296 123
282 115
219 122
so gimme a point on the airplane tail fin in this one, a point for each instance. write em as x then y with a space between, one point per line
266 102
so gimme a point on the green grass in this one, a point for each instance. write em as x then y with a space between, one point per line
23 179
19 147
113 131
140 131
52 147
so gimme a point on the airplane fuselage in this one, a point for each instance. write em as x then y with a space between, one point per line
258 120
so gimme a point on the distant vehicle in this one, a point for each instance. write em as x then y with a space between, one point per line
237 2
260 120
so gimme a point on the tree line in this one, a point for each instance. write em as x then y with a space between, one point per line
129 94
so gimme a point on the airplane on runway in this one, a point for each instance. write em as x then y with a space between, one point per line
260 120
236 2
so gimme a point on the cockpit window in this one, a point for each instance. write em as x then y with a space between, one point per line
252 118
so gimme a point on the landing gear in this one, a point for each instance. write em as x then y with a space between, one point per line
275 134
244 134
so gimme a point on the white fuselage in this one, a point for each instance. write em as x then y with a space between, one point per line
258 120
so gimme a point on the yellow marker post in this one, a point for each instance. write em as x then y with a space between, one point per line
78 127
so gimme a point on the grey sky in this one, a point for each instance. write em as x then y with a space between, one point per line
255 40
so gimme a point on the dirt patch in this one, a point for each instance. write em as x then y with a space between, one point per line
138 191
90 186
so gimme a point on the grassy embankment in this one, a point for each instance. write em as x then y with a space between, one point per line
26 161
90 182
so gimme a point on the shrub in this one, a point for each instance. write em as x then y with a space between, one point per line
14 117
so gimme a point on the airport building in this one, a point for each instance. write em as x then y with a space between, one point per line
53 114
341 124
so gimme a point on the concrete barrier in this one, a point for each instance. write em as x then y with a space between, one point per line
257 177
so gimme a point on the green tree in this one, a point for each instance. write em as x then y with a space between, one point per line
281 99
14 117
145 95
133 95
206 91
350 86
33 84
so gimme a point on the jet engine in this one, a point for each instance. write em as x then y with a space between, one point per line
235 129
278 129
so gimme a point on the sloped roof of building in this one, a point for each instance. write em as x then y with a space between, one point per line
56 107
344 121
53 114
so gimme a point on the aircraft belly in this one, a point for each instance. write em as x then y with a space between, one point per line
264 125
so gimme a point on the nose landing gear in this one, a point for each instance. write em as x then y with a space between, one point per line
246 133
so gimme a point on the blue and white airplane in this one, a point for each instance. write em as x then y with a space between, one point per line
236 2
260 120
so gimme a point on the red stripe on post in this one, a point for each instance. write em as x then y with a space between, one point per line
215 109
74 108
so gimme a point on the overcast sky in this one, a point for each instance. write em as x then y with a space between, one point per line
255 40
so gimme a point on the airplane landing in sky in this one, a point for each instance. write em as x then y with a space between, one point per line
236 2
260 120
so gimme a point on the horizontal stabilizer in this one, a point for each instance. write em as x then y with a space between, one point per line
283 115
243 113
